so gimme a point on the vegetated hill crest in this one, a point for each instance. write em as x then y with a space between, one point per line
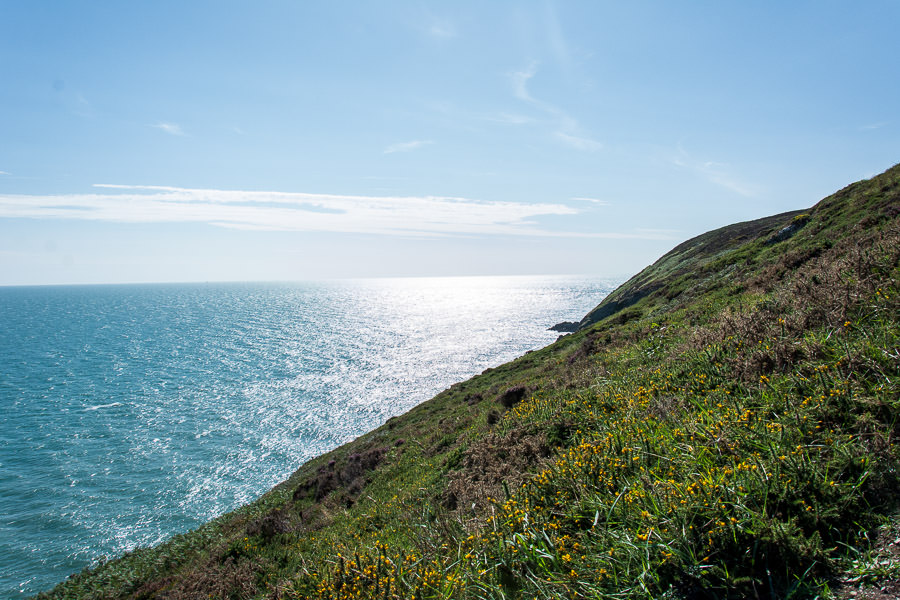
724 425
685 260
863 204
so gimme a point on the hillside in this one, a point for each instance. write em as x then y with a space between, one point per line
723 425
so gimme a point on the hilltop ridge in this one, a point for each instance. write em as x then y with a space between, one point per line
723 425
678 269
708 253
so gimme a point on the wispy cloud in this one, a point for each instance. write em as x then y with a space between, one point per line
82 107
442 29
407 146
73 101
519 80
4 173
565 127
597 201
170 128
715 172
578 142
384 215
873 126
437 27
557 39
511 118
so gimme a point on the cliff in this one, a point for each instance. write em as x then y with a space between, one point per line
721 426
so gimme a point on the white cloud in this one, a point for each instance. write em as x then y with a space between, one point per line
170 128
406 146
388 215
280 211
4 173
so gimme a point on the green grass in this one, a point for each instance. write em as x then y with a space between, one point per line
729 434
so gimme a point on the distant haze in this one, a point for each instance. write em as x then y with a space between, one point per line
203 141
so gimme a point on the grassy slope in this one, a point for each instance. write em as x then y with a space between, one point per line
723 425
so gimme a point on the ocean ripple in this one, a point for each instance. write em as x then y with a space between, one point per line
131 413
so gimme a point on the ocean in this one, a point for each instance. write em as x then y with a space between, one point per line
129 413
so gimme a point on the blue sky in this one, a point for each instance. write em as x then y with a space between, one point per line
200 141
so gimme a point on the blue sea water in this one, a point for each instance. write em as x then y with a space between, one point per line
131 413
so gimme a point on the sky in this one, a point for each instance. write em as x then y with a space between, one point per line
175 141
